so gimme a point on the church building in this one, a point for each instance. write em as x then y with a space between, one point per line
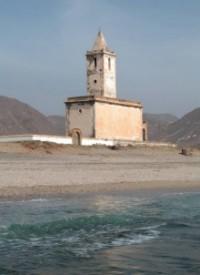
100 114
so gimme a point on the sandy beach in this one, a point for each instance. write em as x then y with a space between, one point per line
32 170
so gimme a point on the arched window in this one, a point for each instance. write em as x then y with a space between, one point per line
109 63
95 62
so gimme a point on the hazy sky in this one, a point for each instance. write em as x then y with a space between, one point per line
43 46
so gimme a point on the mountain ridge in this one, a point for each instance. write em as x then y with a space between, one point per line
17 117
186 130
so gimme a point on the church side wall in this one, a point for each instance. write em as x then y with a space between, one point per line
118 122
81 116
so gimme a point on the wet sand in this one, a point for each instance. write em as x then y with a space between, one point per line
32 170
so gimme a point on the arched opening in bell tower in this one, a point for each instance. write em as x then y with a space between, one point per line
95 62
109 63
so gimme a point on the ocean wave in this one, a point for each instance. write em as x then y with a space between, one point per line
78 237
151 227
74 223
135 239
178 225
39 200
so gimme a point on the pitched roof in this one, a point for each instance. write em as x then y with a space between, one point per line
100 43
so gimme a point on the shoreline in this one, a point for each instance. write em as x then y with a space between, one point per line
64 191
33 170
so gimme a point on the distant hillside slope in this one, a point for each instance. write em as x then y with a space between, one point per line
157 124
19 118
59 124
186 130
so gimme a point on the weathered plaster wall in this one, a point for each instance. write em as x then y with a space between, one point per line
81 116
109 75
101 74
95 74
118 122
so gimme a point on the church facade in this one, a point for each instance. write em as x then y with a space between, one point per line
100 114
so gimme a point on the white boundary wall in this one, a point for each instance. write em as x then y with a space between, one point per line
43 138
93 141
84 141
56 139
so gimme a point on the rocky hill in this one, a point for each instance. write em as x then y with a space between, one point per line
157 125
185 131
58 123
19 118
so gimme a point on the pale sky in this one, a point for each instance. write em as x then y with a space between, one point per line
43 46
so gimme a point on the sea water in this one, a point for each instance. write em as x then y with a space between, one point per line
101 234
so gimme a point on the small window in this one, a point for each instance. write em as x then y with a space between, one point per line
80 111
95 62
95 81
109 63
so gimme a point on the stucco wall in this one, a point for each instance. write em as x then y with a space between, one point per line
81 116
118 122
109 75
95 75
101 78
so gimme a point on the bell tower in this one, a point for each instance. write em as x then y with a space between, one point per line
101 69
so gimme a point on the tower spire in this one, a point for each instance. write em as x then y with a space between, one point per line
100 42
101 69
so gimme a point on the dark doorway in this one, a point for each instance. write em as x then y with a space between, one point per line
76 137
144 135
